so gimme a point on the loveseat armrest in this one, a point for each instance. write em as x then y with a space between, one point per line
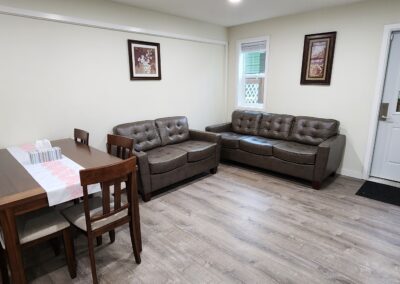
329 156
205 136
222 127
144 173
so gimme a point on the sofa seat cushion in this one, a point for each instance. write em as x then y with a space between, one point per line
197 150
258 145
295 152
231 139
165 159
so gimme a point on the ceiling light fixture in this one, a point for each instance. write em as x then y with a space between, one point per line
235 1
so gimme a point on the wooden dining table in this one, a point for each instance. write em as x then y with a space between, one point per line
21 194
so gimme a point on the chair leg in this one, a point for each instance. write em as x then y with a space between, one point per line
69 252
99 240
135 242
3 267
92 259
112 236
55 244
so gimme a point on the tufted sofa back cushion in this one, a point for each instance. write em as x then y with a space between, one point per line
276 126
313 131
173 129
246 122
144 134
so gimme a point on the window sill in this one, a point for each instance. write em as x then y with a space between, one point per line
251 107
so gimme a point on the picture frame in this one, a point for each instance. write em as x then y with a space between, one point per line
144 60
318 54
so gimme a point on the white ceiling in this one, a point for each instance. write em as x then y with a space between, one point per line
223 13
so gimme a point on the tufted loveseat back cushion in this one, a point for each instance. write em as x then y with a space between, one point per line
313 131
144 134
276 126
173 129
246 122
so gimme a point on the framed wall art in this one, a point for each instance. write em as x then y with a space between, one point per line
144 60
318 55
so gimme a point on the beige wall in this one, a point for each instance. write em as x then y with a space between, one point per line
56 76
349 98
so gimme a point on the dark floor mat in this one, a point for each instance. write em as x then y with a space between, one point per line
381 192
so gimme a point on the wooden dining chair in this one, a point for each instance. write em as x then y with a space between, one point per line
81 136
99 215
119 146
37 227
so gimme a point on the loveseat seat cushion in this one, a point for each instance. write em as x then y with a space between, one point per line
258 145
312 130
165 159
276 126
197 150
231 139
295 152
144 134
173 129
246 122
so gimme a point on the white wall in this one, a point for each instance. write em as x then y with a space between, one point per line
55 76
349 98
116 13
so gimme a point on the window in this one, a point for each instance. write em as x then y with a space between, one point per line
252 73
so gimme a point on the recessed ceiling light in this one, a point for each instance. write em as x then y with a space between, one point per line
235 1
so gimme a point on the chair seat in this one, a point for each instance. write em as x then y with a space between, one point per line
295 152
231 139
39 224
197 150
165 159
258 145
76 214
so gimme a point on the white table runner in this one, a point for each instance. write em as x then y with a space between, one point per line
60 178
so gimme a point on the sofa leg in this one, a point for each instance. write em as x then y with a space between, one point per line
316 185
146 197
333 174
214 170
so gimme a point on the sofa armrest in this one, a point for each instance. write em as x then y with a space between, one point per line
329 157
223 127
205 136
144 172
209 137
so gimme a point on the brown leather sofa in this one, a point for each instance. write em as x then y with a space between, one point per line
305 147
168 151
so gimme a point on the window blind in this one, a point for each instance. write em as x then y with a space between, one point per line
254 46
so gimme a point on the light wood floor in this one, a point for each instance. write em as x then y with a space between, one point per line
246 226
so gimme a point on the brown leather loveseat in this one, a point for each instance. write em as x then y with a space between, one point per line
168 151
305 147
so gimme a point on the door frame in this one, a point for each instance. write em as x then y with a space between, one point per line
373 126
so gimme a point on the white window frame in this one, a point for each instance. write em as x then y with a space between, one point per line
240 78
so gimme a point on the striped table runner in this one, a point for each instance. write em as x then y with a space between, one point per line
59 178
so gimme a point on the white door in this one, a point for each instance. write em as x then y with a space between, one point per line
386 160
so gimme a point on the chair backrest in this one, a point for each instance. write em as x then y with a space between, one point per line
81 136
107 176
119 146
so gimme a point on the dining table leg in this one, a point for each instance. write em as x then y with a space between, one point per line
13 248
136 213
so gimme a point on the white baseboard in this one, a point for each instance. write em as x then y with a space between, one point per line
351 173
